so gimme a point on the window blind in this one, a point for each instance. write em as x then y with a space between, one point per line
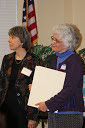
8 19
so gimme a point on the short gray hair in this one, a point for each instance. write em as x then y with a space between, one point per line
68 34
23 34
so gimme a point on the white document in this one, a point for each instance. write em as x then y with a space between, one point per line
46 83
26 71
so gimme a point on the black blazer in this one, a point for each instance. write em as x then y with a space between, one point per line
21 83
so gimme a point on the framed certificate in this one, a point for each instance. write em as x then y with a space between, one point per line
46 83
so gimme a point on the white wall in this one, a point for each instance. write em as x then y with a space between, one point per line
48 15
78 8
19 11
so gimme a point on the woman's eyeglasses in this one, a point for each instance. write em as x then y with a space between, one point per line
54 39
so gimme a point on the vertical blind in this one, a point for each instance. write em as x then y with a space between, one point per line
8 19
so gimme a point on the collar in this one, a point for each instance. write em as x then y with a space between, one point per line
64 54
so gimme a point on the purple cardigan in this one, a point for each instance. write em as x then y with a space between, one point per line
70 98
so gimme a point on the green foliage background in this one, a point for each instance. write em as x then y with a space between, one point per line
44 52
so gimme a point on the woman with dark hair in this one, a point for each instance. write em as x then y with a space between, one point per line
14 91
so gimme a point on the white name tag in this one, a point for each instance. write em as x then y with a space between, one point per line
63 67
26 71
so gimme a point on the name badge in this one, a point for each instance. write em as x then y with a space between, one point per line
26 71
63 67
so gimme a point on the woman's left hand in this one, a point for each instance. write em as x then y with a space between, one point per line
42 106
31 123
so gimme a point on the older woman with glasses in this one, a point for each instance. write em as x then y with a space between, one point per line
66 107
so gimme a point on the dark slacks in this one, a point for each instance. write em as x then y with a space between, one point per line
13 119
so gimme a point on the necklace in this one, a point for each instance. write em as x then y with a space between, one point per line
16 61
19 60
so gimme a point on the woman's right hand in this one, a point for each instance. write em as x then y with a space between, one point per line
30 85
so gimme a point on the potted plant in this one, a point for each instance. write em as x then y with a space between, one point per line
44 52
